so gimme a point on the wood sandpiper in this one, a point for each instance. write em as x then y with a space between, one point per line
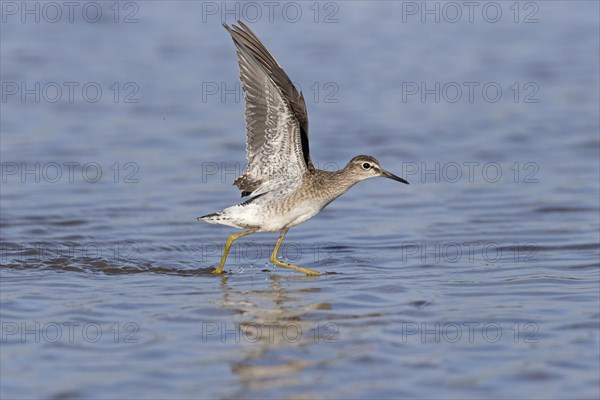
286 188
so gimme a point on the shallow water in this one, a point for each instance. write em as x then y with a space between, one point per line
479 279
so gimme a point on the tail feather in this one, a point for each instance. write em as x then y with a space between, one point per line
214 218
220 218
208 217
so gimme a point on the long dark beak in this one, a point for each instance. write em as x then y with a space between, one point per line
389 175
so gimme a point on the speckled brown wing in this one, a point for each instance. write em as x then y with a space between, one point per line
276 119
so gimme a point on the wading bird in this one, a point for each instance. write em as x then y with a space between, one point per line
286 188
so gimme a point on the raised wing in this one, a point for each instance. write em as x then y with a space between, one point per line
276 120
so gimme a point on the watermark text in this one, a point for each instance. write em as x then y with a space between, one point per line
289 332
53 12
271 11
68 172
68 92
452 12
44 251
68 332
470 92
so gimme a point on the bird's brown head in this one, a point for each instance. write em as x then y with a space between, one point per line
363 167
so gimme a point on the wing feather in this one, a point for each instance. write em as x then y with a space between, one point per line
276 118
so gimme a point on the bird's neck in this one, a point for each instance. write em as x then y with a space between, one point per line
338 182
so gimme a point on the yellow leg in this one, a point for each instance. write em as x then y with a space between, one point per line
275 261
230 240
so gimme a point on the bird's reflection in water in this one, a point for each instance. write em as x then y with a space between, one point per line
275 325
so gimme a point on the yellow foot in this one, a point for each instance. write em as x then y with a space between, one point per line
230 240
292 266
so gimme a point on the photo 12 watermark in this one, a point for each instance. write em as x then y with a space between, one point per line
470 92
257 253
68 332
272 332
223 92
326 12
36 252
69 92
468 252
68 172
52 12
454 12
490 172
468 332
227 172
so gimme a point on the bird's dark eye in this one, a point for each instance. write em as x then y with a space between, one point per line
366 165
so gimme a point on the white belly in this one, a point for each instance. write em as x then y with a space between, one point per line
301 213
255 216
